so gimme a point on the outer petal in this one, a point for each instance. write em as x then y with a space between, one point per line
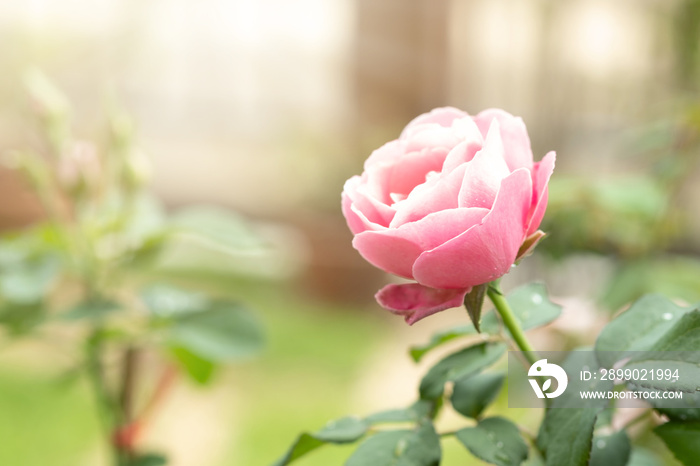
516 141
357 221
484 173
540 179
415 301
484 252
394 250
443 116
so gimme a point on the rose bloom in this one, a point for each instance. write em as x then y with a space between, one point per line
448 204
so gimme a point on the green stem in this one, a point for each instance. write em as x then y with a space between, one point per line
510 321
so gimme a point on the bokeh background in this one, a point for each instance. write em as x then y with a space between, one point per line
266 107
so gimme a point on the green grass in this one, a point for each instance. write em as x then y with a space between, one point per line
43 422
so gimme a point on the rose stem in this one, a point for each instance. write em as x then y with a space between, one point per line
501 305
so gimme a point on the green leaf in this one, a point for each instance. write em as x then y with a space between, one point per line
21 318
677 349
463 363
418 447
225 331
495 440
566 435
197 368
611 450
90 309
474 301
304 444
345 430
417 352
150 459
29 281
643 457
684 336
421 409
686 409
531 306
637 329
683 439
168 301
471 395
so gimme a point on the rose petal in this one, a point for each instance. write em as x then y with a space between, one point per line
400 177
388 153
516 141
413 168
385 250
443 116
356 220
355 223
541 173
484 173
394 250
432 136
484 252
437 193
375 211
462 153
415 301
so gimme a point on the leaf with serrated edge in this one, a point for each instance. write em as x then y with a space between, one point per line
457 365
637 329
345 430
471 395
418 447
495 440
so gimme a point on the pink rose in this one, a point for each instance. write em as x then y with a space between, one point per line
448 204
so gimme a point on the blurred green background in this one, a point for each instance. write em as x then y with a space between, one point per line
265 108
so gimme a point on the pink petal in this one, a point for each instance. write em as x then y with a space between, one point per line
388 153
484 252
356 220
415 301
462 153
541 173
355 223
516 141
442 116
375 211
401 176
389 252
437 193
394 250
484 173
413 168
431 136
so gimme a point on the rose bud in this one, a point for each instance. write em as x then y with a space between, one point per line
449 205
